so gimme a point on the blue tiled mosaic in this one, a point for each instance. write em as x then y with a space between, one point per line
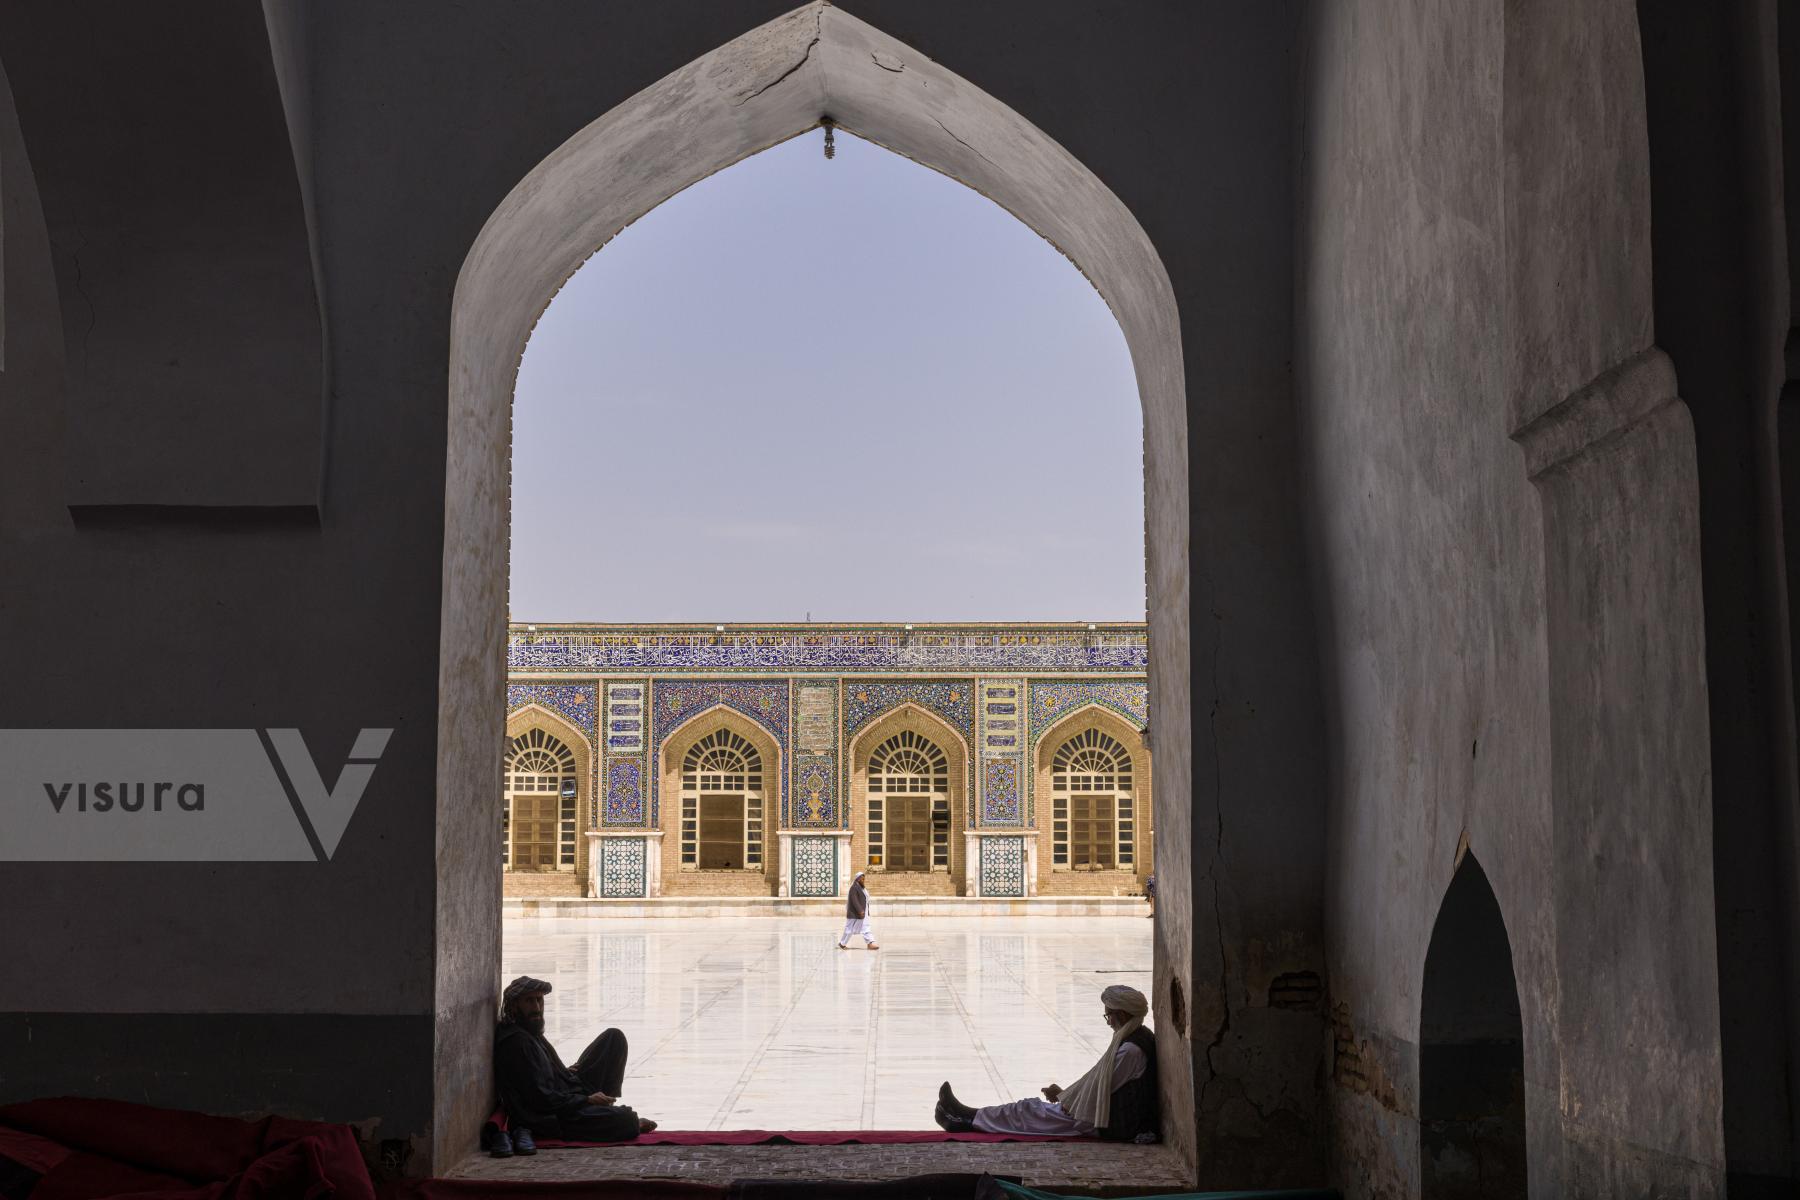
576 701
871 650
624 792
1053 700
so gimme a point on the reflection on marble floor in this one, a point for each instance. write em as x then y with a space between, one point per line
761 1023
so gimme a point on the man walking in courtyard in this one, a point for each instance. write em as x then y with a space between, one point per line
856 915
544 1098
1116 1100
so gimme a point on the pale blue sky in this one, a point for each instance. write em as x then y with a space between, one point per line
855 389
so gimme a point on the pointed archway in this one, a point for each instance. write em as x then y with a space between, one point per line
1471 1051
817 63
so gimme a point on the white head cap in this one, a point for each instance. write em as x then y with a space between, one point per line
1125 999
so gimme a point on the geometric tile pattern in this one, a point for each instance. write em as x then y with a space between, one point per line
813 871
622 873
1002 866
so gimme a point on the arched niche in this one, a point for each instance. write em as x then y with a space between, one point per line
1121 881
911 718
1471 1051
572 882
772 83
743 880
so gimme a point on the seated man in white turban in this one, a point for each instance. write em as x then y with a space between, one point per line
1116 1099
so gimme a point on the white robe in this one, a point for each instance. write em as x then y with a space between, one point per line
1046 1118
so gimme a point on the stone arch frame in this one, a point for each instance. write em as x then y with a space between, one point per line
773 82
536 715
675 744
919 719
1094 715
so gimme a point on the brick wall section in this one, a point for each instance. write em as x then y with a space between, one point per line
1090 883
913 883
719 883
541 883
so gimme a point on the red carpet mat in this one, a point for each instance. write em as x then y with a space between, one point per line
807 1137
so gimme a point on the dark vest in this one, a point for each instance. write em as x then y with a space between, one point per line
1137 1106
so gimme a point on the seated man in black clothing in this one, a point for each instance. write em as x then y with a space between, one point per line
547 1099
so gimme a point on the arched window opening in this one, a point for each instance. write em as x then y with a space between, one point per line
537 818
721 804
1092 817
909 805
1471 1051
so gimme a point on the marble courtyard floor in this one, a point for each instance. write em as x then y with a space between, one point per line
762 1023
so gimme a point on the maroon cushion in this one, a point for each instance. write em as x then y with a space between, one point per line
194 1146
335 1146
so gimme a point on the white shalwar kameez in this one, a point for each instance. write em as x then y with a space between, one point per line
854 926
1046 1118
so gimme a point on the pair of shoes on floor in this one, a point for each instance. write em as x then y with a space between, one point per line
507 1143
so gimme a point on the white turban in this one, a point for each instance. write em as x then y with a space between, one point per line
1090 1097
1124 999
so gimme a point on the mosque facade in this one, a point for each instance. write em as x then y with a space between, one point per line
993 760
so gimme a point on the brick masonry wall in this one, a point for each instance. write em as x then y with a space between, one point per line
542 883
719 883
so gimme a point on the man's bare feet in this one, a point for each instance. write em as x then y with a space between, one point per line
645 1125
873 946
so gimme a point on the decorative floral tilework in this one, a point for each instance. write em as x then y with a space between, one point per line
1002 866
1002 803
624 792
865 700
814 868
764 701
1054 699
622 873
814 804
576 701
